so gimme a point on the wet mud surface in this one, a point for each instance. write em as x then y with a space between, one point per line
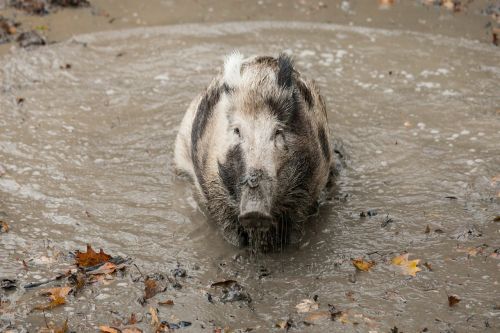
87 129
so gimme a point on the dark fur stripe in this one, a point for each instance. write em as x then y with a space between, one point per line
203 115
285 71
306 93
232 171
325 148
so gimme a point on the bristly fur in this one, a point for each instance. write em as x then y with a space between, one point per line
260 94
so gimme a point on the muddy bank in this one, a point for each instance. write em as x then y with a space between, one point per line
87 128
56 21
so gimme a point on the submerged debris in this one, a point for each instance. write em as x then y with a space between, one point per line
8 28
453 300
8 284
44 7
30 38
232 291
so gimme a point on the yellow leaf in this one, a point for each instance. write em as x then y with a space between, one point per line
363 265
408 267
399 260
155 321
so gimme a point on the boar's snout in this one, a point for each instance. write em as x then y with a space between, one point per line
255 205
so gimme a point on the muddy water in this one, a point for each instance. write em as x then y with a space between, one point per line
88 159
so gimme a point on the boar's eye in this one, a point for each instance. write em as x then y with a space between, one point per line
236 131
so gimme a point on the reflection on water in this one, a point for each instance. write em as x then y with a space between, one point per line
88 159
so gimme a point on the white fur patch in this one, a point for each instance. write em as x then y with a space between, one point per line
232 68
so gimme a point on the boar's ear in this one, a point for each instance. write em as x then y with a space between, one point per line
285 71
232 69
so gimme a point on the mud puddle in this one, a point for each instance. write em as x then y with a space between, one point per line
86 141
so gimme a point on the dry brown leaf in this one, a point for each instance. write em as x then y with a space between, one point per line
132 329
306 305
4 227
385 3
166 302
453 300
362 265
150 288
55 292
106 268
57 296
56 301
318 315
427 229
409 267
91 258
471 251
109 329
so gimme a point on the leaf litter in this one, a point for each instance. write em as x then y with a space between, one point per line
408 267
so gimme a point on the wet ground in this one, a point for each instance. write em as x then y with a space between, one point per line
86 143
471 19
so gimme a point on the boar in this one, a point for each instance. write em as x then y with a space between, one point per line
257 146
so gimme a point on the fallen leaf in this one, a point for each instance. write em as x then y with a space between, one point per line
471 251
56 301
496 219
306 305
385 3
4 227
362 265
340 316
62 329
78 279
283 324
132 329
166 302
91 258
318 315
106 268
453 300
409 267
57 296
427 229
55 329
109 329
151 288
58 291
495 254
155 321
